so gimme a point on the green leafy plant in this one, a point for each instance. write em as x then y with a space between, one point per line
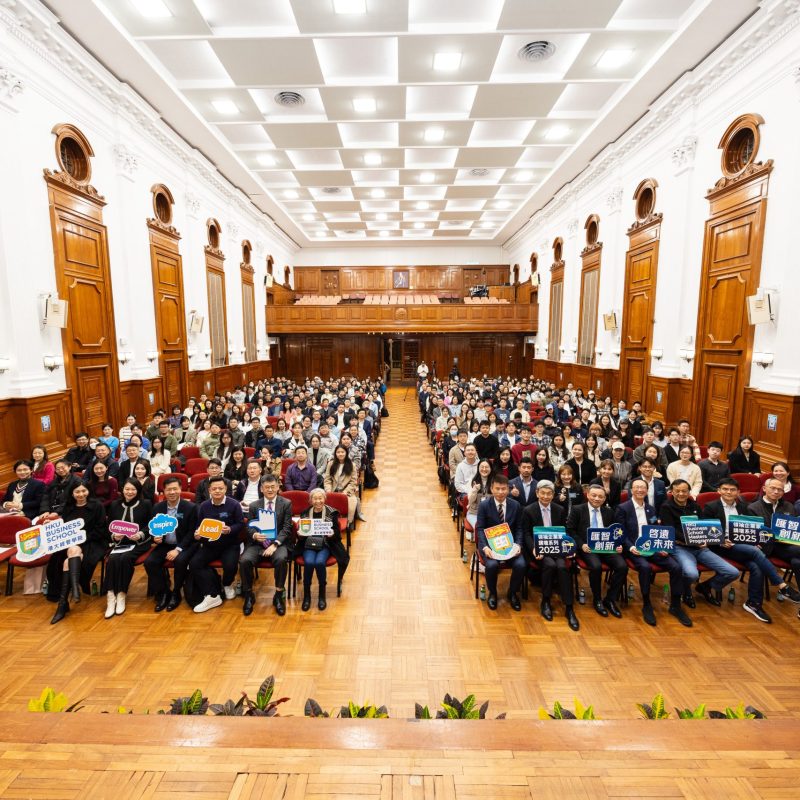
656 710
422 712
687 713
314 709
229 708
367 711
560 712
264 705
194 705
740 712
48 700
453 708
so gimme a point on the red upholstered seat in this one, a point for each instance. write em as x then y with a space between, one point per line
179 475
193 466
190 451
747 482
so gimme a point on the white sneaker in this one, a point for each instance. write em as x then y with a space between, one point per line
230 592
111 605
120 603
208 602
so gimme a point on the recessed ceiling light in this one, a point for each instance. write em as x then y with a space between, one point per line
419 225
322 233
383 233
289 99
291 194
227 107
446 62
422 205
427 177
372 159
539 50
614 59
381 216
502 204
487 224
523 176
364 105
308 217
152 9
350 6
556 132
434 134
378 194
266 161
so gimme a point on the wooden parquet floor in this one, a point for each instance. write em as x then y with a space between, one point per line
407 629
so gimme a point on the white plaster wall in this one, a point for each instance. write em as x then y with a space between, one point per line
410 255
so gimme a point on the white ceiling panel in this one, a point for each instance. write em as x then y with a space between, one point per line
449 109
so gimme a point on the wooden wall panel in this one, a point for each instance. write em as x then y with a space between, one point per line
773 420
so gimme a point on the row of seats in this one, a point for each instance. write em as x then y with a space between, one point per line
482 301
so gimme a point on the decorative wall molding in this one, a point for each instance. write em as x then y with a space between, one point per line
30 23
87 190
771 23
192 202
11 87
753 171
127 162
614 200
650 219
232 229
163 227
683 155
572 228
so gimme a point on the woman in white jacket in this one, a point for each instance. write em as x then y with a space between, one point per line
686 469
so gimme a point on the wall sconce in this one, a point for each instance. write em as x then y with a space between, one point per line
615 350
242 350
231 351
657 354
763 359
152 355
52 362
5 364
598 351
686 355
191 353
124 356
207 352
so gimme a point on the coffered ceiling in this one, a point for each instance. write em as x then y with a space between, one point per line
400 120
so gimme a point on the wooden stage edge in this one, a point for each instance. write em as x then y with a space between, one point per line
288 733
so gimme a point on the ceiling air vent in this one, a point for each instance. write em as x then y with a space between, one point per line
289 99
331 189
536 51
479 172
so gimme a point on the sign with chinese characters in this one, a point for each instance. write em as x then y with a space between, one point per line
552 541
656 539
786 529
315 527
604 540
501 542
44 540
747 530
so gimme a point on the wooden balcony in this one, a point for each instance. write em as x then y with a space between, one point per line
422 318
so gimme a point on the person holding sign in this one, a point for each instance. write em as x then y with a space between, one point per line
729 509
175 547
227 511
595 515
128 543
497 510
269 535
74 566
689 554
633 515
314 544
544 513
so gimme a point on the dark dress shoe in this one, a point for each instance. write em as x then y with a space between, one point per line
572 619
705 591
514 600
681 616
648 614
249 603
547 612
162 601
688 601
600 608
613 609
174 601
492 602
280 605
306 601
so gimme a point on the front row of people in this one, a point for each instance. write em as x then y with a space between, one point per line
682 566
271 540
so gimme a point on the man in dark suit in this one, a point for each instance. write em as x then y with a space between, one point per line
656 488
256 548
495 510
632 515
544 513
177 547
594 513
749 556
523 487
